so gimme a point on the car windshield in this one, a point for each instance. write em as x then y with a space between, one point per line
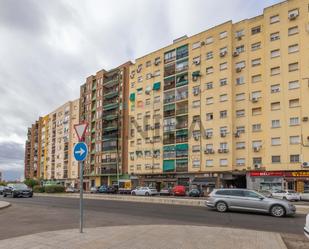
20 186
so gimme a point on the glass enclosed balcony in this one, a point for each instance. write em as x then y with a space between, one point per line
182 79
182 136
182 150
169 83
169 110
169 70
182 52
169 138
182 65
182 93
169 97
181 122
182 165
182 108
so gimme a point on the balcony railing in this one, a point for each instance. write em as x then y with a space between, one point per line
109 160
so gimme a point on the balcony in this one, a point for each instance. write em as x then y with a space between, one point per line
182 108
182 80
109 148
181 122
182 165
169 70
111 170
182 136
109 160
169 138
169 83
110 82
111 93
110 117
110 106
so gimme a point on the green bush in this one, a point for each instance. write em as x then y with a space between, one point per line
31 182
54 189
2 184
38 189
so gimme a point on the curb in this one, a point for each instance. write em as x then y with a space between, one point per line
281 242
4 204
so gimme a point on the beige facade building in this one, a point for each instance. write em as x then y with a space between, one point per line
228 106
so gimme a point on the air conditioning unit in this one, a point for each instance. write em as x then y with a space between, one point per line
206 151
257 166
202 43
220 150
150 141
208 135
223 134
254 99
235 54
225 150
305 119
197 62
237 134
305 164
293 16
152 127
239 37
194 78
222 54
238 69
256 148
196 138
195 93
157 62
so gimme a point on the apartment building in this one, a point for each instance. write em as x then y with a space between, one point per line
57 141
32 151
225 107
103 101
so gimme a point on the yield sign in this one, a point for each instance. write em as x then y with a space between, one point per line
80 130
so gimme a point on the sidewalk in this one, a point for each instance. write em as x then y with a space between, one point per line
4 204
148 237
301 209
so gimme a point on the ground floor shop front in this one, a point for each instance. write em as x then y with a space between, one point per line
278 180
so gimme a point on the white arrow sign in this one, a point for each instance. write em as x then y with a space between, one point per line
80 130
80 152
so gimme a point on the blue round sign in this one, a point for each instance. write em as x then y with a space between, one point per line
80 151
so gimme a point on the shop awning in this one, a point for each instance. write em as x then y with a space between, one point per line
169 148
169 107
132 97
182 147
196 74
168 165
156 86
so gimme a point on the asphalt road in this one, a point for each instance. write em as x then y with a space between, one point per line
38 214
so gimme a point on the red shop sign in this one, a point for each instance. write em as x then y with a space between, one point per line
266 173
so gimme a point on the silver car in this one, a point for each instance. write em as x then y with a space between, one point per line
248 200
144 191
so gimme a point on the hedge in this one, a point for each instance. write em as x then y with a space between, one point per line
38 189
54 189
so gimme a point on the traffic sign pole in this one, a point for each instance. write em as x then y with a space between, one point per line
81 199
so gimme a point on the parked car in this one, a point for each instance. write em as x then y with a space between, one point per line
94 190
306 228
289 195
17 190
248 200
147 191
107 189
1 190
304 196
71 190
266 193
166 191
179 190
195 193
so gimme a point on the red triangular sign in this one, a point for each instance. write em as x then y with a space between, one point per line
80 130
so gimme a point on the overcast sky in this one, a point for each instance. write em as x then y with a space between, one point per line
48 48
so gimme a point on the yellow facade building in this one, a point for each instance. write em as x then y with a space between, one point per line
228 106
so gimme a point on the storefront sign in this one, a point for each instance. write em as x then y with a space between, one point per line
280 173
266 173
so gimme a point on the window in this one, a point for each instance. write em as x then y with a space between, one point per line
256 78
293 84
209 163
223 97
256 127
257 160
239 33
223 35
255 95
196 45
240 49
240 161
275 53
293 30
209 116
223 51
209 132
196 148
209 101
275 159
223 82
240 96
274 71
223 145
196 163
294 158
156 73
255 30
240 129
294 121
240 113
196 104
223 114
223 162
240 64
256 62
275 88
209 70
209 40
294 139
275 123
255 46
139 116
240 145
293 67
293 103
275 36
274 19
256 111
240 80
140 79
209 85
132 84
293 48
148 63
275 141
256 143
156 99
209 55
196 90
223 66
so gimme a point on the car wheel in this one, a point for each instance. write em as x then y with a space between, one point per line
133 193
147 194
221 206
277 211
4 195
13 195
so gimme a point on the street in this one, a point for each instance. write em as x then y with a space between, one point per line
39 214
